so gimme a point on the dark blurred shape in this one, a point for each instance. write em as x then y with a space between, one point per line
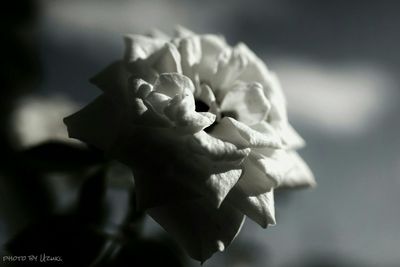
150 252
82 208
46 178
20 61
62 236
20 69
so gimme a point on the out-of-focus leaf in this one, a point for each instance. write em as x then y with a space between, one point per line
150 253
59 156
63 236
106 199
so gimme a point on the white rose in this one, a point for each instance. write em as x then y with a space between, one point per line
204 128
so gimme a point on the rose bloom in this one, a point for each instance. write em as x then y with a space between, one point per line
204 128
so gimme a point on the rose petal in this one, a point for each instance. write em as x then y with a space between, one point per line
258 208
299 175
204 144
175 172
157 101
257 71
247 102
113 81
97 124
273 162
255 179
172 84
158 34
166 60
190 50
273 91
241 135
140 88
181 110
182 32
269 132
154 187
231 63
290 138
202 230
220 184
140 46
211 47
206 95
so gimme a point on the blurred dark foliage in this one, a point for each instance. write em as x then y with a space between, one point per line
20 70
89 221
72 202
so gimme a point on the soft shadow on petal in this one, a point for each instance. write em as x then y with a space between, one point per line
202 230
140 46
231 64
190 50
247 102
211 47
113 81
241 135
157 101
158 34
257 71
220 185
155 188
259 208
97 124
165 170
166 60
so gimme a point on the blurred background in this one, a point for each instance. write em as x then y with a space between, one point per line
339 64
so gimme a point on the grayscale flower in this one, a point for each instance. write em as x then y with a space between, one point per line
204 128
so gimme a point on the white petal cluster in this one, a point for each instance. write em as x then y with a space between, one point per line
203 126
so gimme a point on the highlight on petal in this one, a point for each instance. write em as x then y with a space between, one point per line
246 102
255 179
181 110
200 229
204 144
299 174
172 84
140 88
157 101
